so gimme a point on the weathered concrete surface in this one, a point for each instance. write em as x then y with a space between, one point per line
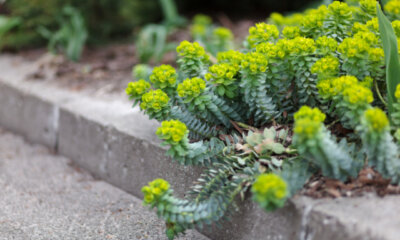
37 119
363 218
117 155
106 137
118 144
44 196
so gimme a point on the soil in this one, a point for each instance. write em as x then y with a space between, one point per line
107 69
368 180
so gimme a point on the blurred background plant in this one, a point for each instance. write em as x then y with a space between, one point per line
71 35
107 20
7 24
152 42
214 38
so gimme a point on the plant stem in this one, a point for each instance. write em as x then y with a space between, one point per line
332 123
379 93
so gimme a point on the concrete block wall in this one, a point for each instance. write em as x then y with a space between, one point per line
118 144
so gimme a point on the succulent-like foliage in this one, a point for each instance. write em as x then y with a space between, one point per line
135 90
255 118
317 146
175 134
183 214
382 152
204 103
155 104
350 98
193 58
164 77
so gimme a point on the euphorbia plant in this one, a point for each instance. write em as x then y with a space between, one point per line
255 118
214 39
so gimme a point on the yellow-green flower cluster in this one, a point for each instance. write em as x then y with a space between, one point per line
172 131
326 45
198 30
359 27
270 50
224 34
191 87
291 32
313 114
325 88
348 87
376 54
397 92
163 76
340 10
232 57
270 191
368 6
202 19
369 37
314 18
291 20
326 67
396 27
344 82
373 25
393 7
254 62
308 122
307 129
154 190
154 100
353 47
376 119
277 19
358 95
221 73
190 50
297 46
137 89
200 25
262 32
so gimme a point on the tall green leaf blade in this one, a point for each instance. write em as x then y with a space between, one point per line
384 2
390 48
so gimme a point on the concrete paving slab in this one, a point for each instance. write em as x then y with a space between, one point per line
44 196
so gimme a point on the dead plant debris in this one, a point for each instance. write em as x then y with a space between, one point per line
368 180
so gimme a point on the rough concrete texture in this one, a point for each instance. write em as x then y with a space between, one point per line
363 218
106 137
118 144
119 157
44 196
36 118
